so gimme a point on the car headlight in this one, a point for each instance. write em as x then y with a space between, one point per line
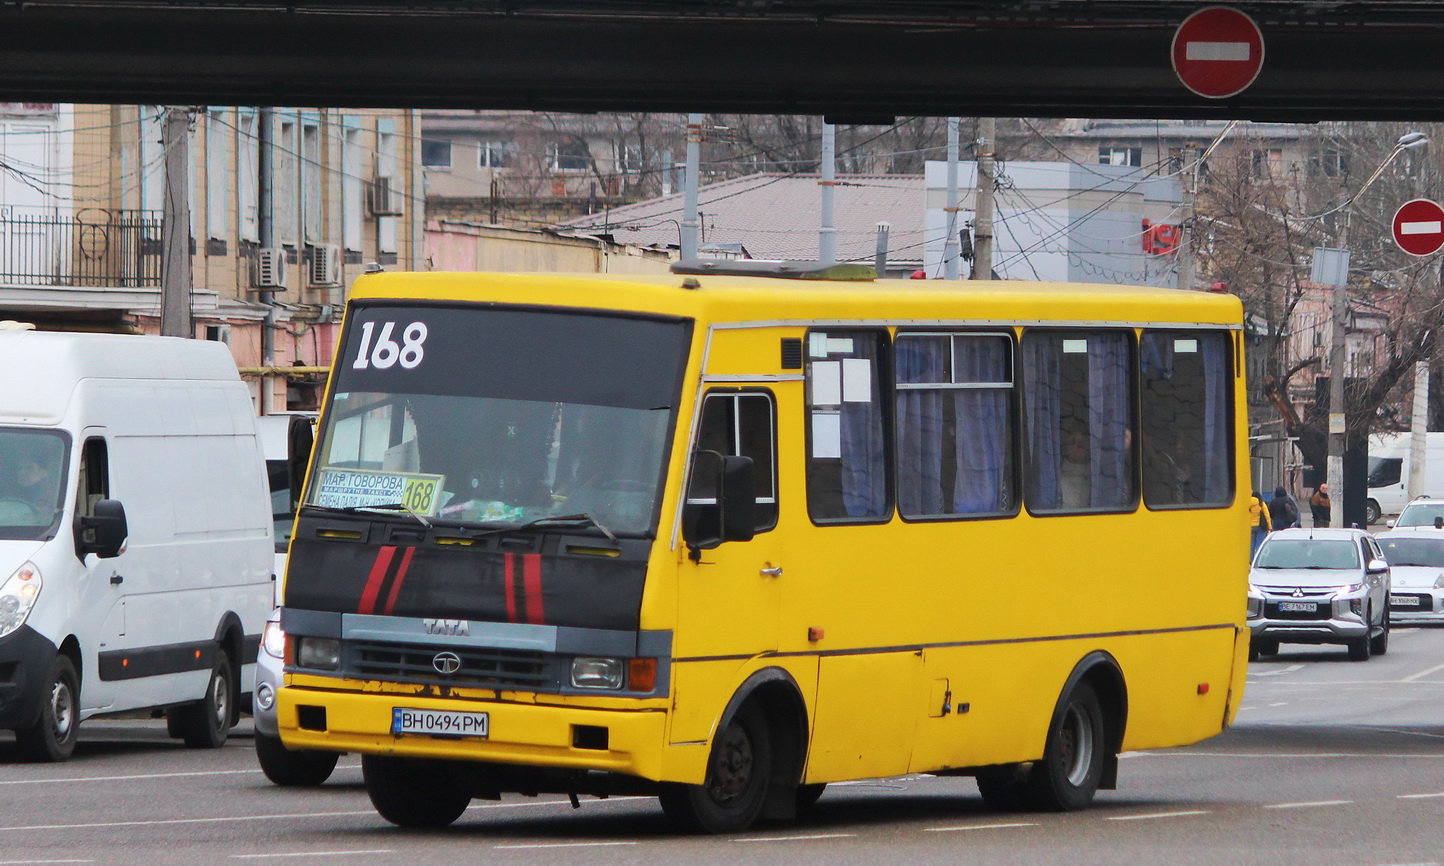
1439 581
597 673
322 653
17 597
1353 587
273 640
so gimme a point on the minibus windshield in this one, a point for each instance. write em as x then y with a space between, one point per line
32 481
500 416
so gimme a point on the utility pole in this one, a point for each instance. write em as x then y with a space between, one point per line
952 248
1185 239
175 303
689 187
827 234
1419 422
879 257
1338 354
983 212
266 232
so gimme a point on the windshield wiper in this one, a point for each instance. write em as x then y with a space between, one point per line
558 520
385 506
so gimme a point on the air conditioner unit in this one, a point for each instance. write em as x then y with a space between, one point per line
384 198
325 265
268 269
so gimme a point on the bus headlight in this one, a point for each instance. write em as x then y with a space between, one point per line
322 653
597 673
17 597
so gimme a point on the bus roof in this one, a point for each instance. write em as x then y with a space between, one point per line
725 299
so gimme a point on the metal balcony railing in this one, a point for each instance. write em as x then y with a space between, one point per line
91 248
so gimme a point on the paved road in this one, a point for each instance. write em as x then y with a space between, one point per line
1332 762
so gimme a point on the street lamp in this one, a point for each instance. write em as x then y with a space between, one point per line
1337 351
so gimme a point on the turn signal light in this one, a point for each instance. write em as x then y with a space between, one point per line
641 675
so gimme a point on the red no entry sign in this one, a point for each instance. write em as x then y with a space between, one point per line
1217 52
1419 227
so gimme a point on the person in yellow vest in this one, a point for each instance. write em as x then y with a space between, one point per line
1260 524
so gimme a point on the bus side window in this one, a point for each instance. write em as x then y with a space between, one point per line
1078 415
94 477
740 424
954 424
1186 390
847 466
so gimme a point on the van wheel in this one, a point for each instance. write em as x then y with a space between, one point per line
53 737
738 772
1379 643
1067 777
1372 513
206 723
414 793
304 769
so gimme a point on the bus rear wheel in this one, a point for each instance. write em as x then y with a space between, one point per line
1067 777
738 772
414 793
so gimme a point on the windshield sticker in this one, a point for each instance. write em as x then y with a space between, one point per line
856 380
826 383
358 488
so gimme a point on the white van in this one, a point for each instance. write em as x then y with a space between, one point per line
135 535
1389 462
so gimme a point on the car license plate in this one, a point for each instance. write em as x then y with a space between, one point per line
436 723
1299 606
1404 601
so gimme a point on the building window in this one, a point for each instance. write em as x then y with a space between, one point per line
311 210
217 136
495 154
436 153
629 159
1120 156
569 156
1266 163
954 424
351 184
1329 162
847 465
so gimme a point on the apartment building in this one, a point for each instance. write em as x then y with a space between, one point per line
81 201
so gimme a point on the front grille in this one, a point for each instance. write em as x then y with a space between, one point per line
1323 610
480 666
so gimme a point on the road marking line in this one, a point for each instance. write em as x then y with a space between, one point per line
1419 796
128 778
1288 670
1296 755
974 827
562 845
1158 815
20 862
1422 674
1308 805
797 838
315 853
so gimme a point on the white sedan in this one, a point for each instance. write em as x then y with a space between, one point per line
1416 558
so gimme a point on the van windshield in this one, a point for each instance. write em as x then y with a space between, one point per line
32 482
500 416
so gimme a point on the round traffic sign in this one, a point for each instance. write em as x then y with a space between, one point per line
1419 227
1217 52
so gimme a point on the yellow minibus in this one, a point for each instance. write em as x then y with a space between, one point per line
730 534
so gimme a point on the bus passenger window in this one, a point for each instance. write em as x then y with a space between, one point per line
741 425
847 459
1186 377
1078 420
954 424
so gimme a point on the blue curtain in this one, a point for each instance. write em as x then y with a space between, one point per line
1216 379
1109 416
1043 418
864 456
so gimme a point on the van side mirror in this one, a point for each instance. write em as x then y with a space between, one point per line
300 438
105 533
732 514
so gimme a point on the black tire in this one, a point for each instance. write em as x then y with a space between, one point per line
410 792
1266 646
302 769
52 737
1066 779
1379 643
1372 513
739 770
206 723
1360 649
1004 788
808 795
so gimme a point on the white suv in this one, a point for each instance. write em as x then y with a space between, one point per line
1319 586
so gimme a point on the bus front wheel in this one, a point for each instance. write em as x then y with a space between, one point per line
738 772
1067 777
414 793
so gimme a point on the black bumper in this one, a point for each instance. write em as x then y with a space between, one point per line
25 660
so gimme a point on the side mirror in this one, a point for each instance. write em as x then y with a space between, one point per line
731 513
1377 566
300 438
103 534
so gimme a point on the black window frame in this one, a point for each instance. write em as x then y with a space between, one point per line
767 516
1229 370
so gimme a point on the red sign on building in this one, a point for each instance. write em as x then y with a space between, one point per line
1217 52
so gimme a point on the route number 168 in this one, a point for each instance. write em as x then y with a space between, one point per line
387 352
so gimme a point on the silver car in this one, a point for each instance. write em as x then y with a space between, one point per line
280 764
1319 586
1416 560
